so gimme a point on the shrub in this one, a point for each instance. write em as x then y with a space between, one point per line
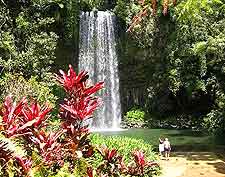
18 86
124 145
214 123
135 118
67 150
88 5
26 121
126 148
136 115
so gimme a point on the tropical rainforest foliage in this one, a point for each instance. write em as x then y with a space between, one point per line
196 60
183 54
172 69
28 148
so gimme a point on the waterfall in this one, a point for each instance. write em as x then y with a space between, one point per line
97 55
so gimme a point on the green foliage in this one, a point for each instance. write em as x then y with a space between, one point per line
124 145
91 4
121 10
214 120
183 55
214 123
196 55
27 42
198 47
192 11
18 86
135 116
71 20
126 10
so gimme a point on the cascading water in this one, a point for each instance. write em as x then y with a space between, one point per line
97 55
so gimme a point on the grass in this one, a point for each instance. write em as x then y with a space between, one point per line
181 140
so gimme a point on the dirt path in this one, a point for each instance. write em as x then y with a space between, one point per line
193 164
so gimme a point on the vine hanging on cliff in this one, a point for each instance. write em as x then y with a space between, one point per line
145 6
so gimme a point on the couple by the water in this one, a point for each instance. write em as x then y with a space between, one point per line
164 148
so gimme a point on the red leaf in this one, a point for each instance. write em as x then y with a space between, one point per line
26 125
93 89
141 2
111 154
90 172
71 72
139 158
174 2
33 112
154 7
11 110
24 163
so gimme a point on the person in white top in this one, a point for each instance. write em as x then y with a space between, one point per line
161 146
167 148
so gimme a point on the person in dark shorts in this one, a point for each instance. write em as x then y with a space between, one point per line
167 148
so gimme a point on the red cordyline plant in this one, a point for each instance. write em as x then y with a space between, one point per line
21 120
80 103
90 172
146 5
48 146
141 166
76 109
27 121
113 164
10 116
110 164
5 153
34 113
25 164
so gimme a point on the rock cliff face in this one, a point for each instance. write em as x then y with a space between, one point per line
142 69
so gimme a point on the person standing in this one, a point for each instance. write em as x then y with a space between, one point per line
167 148
161 146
